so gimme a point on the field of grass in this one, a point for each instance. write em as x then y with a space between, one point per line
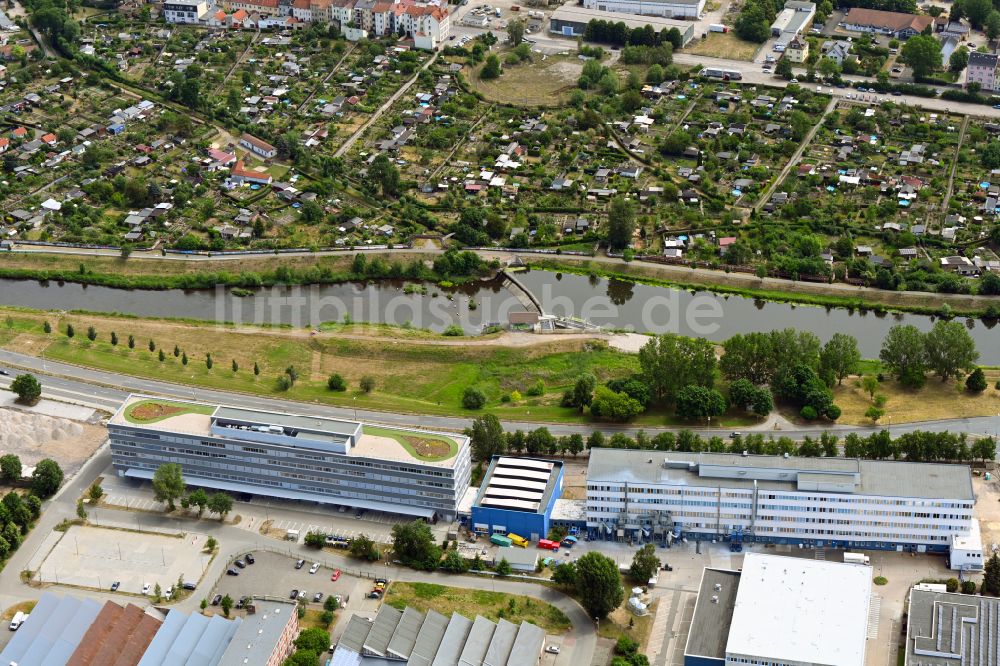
723 45
470 603
539 83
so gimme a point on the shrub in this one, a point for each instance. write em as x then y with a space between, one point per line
808 413
367 384
968 587
976 382
833 412
536 389
336 383
951 584
454 331
880 580
473 398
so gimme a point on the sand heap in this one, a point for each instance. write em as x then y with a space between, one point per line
31 436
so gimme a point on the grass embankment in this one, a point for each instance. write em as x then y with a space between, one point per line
470 603
429 448
773 289
153 411
936 400
246 272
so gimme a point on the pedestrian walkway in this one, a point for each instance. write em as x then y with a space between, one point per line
874 610
820 554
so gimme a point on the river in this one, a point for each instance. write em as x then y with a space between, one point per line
612 303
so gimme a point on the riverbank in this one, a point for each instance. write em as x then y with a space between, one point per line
414 372
835 295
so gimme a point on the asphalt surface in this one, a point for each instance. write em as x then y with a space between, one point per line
108 390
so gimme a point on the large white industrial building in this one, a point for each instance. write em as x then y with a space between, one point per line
812 502
781 611
689 9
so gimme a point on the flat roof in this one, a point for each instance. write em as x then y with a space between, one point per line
713 614
355 633
722 470
793 609
575 14
519 484
318 433
255 638
527 644
948 629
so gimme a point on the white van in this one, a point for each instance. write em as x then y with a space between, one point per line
17 621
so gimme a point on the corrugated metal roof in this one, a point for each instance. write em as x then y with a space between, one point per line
453 641
355 634
164 638
254 639
59 630
527 645
478 642
186 640
500 646
401 643
382 630
428 639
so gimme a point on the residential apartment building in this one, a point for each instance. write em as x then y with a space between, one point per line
184 11
982 69
797 50
264 8
259 147
309 458
822 502
663 8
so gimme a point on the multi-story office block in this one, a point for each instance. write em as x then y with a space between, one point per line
288 456
822 502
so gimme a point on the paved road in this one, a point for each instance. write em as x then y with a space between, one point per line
77 384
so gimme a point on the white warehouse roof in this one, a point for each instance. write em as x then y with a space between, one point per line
792 609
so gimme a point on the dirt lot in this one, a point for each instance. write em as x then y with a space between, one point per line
539 83
33 437
723 45
988 508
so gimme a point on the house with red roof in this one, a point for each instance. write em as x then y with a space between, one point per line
221 158
19 133
241 175
4 144
49 139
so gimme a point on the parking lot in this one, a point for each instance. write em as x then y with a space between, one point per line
97 557
275 575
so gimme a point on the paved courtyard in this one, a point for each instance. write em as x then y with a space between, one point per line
97 557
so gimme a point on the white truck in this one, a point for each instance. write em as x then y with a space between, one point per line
17 620
857 558
717 27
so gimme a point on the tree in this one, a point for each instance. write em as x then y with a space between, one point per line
922 53
491 70
235 366
583 390
330 604
515 31
413 543
367 384
487 437
226 603
840 356
198 498
152 346
645 564
220 503
473 398
503 568
904 354
314 539
991 577
454 562
975 382
364 548
621 223
46 327
959 59
598 584
612 406
336 383
386 175
977 11
131 342
81 510
91 333
70 331
949 349
95 492
303 658
564 574
540 440
27 388
670 362
784 69
874 413
208 361
869 384
210 544
10 468
697 403
168 484
184 358
992 28
46 478
744 395
753 23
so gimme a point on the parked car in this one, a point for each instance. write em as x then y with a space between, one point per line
145 588
374 594
314 568
4 373
241 564
169 593
299 564
552 649
216 600
232 572
318 597
302 594
114 586
294 594
335 576
249 558
188 586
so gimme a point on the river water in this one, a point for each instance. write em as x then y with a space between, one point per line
612 303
